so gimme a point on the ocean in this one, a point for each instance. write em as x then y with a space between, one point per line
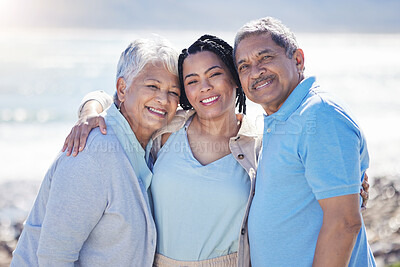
45 73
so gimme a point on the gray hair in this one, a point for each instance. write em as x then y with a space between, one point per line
280 34
143 51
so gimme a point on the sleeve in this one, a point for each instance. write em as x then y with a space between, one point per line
331 154
76 202
102 97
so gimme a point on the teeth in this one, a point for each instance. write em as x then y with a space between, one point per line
264 84
208 100
157 111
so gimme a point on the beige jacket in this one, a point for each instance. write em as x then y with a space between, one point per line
245 147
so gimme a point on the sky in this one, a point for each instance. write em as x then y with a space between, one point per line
306 16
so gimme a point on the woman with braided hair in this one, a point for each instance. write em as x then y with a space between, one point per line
224 51
204 174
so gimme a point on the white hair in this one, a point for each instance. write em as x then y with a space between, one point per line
143 51
280 34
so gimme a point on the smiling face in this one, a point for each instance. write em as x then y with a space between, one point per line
151 100
209 86
267 75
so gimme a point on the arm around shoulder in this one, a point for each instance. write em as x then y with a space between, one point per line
91 106
104 99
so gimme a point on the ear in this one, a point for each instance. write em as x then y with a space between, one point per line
298 56
121 89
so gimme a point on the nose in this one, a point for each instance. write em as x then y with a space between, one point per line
257 71
205 86
162 97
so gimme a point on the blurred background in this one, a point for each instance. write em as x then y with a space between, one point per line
53 52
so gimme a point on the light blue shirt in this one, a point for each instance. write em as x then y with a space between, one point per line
198 209
312 149
138 157
93 209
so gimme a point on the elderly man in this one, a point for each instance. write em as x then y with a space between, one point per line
306 207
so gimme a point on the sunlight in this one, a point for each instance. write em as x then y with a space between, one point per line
7 12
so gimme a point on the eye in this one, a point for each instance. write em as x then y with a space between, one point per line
152 86
215 74
174 93
243 67
191 82
266 57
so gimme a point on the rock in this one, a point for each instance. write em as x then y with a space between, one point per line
382 219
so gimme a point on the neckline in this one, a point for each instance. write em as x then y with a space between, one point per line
191 155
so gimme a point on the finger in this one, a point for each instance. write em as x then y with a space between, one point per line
82 139
365 177
70 142
365 197
363 207
76 143
102 125
365 185
66 143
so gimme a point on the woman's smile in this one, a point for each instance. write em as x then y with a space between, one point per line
157 112
209 100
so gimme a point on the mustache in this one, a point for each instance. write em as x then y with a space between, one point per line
261 79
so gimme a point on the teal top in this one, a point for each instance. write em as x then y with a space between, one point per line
138 157
198 209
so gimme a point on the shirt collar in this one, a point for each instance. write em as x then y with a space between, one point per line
123 131
293 101
139 158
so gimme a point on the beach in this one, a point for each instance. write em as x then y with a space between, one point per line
44 75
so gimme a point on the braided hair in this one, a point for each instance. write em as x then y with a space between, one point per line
225 52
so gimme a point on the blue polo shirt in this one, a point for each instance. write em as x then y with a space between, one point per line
312 149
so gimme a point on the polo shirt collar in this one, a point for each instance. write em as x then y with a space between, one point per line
293 101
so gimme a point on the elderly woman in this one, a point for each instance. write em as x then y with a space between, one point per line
93 209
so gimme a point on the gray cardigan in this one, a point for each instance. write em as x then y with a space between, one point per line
91 210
